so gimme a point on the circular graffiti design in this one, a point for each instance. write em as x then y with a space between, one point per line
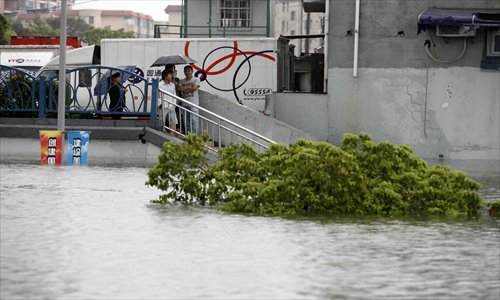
204 72
135 79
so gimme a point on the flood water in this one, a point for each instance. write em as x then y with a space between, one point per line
90 233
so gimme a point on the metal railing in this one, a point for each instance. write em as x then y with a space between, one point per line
87 93
221 131
163 31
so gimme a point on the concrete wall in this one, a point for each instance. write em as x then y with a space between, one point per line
111 142
100 151
267 126
400 94
304 111
453 111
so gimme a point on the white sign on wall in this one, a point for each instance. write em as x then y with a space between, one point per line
25 59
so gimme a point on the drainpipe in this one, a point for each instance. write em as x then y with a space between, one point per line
268 29
210 19
356 41
325 47
185 18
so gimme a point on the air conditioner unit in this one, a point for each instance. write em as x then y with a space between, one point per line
454 31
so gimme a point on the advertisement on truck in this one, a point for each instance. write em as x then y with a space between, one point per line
238 69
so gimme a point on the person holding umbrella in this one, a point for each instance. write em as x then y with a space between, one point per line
166 101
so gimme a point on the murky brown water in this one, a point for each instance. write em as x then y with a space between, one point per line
89 233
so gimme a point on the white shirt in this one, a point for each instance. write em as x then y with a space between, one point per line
191 96
169 87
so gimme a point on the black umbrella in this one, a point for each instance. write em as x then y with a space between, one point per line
177 59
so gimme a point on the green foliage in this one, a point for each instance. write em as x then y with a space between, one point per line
74 26
39 26
95 35
19 28
494 207
5 30
361 178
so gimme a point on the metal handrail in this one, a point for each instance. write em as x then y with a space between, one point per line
218 123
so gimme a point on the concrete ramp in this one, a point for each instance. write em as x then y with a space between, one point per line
256 121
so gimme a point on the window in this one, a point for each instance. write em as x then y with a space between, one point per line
88 19
282 26
493 43
234 13
130 21
292 15
491 55
283 7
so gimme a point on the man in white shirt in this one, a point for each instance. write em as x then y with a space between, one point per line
189 89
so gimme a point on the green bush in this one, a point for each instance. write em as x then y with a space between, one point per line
361 177
494 207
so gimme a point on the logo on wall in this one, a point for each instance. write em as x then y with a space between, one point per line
134 79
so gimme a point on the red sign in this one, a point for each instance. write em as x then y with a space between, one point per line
51 147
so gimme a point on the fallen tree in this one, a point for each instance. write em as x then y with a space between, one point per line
361 177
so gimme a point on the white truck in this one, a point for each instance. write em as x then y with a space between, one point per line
239 69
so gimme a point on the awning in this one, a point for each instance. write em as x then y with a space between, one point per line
472 18
25 59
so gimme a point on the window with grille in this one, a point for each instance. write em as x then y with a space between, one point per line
234 14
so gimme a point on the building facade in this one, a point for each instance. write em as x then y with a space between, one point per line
291 20
13 6
141 25
227 18
438 91
174 24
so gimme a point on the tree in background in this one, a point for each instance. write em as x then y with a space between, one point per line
39 26
19 28
5 30
75 27
95 35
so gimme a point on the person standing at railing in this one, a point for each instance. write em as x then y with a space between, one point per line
175 81
116 94
166 102
189 88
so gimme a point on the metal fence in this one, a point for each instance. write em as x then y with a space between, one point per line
87 93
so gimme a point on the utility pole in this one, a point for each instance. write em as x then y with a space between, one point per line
61 103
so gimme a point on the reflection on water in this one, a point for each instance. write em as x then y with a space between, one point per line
69 233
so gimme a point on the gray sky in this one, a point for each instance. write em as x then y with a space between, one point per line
154 8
